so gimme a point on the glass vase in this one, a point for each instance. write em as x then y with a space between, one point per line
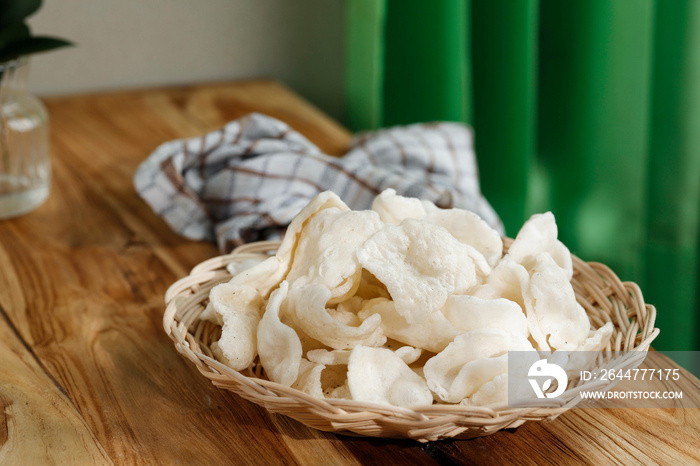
25 167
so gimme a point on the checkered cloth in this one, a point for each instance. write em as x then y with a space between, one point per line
246 181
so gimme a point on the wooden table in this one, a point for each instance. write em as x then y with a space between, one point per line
87 374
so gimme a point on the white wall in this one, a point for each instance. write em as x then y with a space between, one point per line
135 43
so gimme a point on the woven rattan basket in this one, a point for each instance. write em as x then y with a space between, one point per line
597 288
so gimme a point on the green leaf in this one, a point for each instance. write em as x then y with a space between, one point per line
31 45
14 11
12 33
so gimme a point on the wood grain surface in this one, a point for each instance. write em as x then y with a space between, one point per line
87 375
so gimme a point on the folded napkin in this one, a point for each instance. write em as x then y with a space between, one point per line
246 181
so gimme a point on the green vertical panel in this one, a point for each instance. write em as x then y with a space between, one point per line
504 66
426 61
674 168
595 73
364 62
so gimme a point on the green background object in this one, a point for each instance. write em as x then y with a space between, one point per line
587 108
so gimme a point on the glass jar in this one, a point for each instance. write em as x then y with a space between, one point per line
25 167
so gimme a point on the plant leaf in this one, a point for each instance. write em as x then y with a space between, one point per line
12 33
31 45
14 11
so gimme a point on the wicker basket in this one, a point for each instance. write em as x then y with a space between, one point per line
602 294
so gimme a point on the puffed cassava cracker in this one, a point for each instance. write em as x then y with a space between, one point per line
325 251
378 375
471 360
239 310
279 346
307 309
421 265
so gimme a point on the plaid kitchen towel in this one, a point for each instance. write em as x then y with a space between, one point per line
246 181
